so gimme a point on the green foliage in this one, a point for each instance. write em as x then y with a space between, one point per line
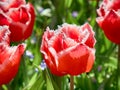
52 13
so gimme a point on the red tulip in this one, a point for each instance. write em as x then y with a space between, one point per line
69 49
19 16
9 57
109 19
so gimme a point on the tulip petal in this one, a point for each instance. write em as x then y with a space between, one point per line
68 30
52 62
7 4
9 61
4 35
19 15
4 19
74 60
49 53
22 22
90 60
112 19
51 58
112 4
44 45
31 23
19 19
90 40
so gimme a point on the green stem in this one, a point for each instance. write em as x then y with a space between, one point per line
71 82
118 69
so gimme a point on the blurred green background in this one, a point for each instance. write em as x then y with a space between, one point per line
33 76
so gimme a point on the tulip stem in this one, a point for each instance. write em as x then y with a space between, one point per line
71 82
118 69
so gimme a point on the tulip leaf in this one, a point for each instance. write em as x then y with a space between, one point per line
38 85
31 82
49 83
68 3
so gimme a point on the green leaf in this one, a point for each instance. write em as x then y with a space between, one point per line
68 3
53 82
31 82
38 85
49 83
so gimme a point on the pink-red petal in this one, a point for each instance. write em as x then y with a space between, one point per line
112 4
51 60
74 61
71 31
49 53
19 19
4 20
5 5
20 27
9 62
19 15
4 35
90 40
31 24
111 25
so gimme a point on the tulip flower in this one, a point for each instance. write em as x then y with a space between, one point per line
109 19
69 49
9 56
19 16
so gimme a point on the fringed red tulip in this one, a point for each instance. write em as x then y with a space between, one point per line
19 16
9 57
69 49
109 19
